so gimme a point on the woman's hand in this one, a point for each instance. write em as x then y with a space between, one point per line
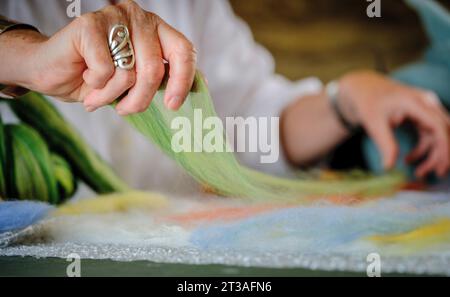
310 127
76 65
379 105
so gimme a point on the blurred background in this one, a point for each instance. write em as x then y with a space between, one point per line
326 38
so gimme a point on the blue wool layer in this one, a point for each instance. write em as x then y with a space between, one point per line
324 228
16 215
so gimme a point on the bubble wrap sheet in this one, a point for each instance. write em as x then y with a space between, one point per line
327 235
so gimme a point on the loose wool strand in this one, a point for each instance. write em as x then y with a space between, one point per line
221 171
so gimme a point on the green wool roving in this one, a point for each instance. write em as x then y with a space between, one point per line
221 171
43 156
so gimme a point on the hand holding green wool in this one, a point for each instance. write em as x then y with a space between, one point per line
75 64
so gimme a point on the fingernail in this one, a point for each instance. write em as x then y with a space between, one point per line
90 108
174 102
121 112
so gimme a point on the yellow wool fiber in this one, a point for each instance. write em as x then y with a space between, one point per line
117 202
420 238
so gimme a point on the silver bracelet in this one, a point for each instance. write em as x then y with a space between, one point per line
332 91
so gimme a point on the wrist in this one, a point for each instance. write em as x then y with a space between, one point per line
334 97
309 129
349 95
19 52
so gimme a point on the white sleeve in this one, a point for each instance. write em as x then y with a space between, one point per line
241 74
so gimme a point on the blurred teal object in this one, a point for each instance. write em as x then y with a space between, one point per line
406 138
428 76
432 73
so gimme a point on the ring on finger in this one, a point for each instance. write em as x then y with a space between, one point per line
121 47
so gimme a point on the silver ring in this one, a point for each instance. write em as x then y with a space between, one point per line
121 48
